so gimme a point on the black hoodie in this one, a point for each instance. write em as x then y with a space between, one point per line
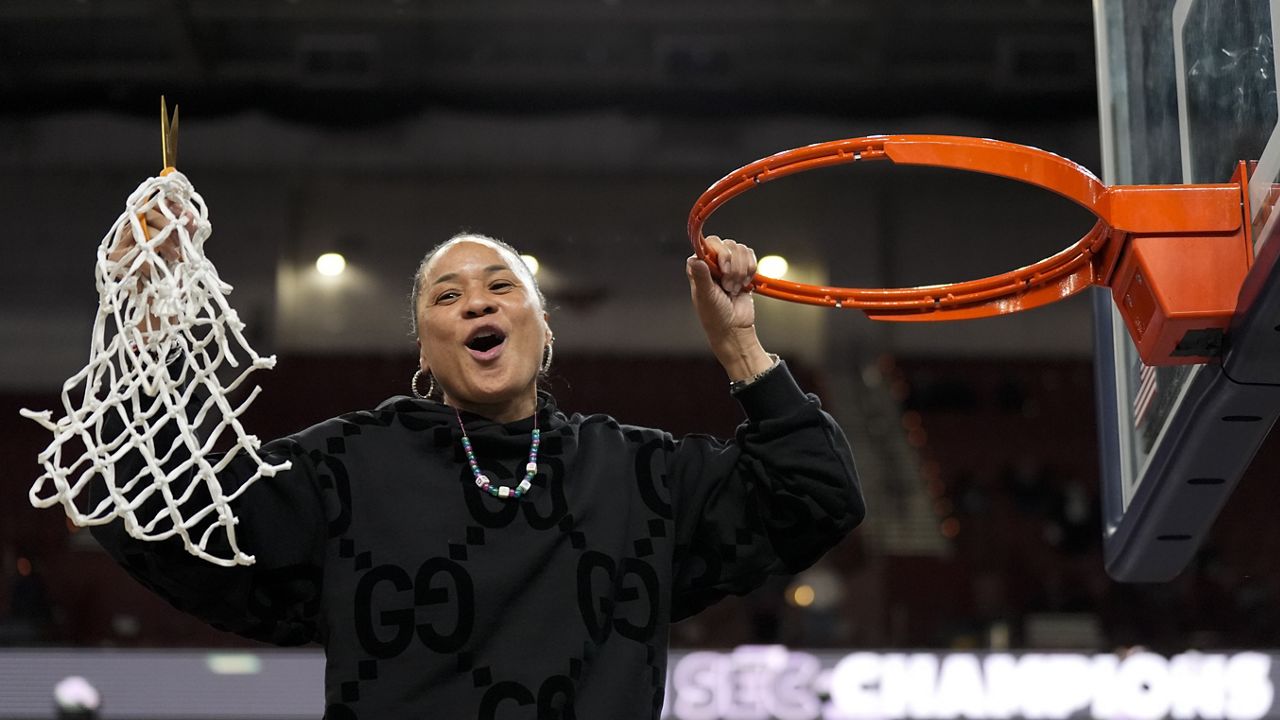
433 599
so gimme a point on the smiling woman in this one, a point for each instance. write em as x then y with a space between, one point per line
473 552
481 326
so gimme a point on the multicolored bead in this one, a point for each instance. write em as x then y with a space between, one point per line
482 481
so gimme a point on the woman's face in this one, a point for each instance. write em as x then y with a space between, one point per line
481 330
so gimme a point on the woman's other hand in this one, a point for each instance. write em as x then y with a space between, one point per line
122 255
726 307
153 223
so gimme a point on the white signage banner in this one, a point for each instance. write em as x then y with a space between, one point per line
748 683
772 682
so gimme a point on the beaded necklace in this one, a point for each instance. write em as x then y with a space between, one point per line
482 480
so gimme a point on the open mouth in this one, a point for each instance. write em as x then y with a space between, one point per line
486 340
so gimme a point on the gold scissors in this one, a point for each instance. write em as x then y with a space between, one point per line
168 138
168 150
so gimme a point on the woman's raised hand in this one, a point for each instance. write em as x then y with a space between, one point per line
153 222
726 307
121 258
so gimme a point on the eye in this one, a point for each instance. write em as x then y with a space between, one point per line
501 285
447 296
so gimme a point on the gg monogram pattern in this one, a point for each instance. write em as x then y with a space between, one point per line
434 599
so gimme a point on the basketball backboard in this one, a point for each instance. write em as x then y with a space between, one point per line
1186 88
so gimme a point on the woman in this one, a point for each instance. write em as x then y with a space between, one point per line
474 552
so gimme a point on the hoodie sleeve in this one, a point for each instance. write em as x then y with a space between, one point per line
771 501
281 522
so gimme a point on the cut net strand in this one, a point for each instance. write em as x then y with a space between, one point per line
163 332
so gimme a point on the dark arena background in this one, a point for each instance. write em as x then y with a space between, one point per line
582 131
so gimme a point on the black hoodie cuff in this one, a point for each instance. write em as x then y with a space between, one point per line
772 395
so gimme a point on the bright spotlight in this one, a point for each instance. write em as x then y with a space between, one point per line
774 266
331 264
802 595
532 262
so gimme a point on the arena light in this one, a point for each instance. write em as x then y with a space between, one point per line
234 663
802 595
774 266
532 262
331 264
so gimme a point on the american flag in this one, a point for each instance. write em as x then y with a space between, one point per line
1147 385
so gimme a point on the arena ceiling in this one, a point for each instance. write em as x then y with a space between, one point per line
582 129
330 61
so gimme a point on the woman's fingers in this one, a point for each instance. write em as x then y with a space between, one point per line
151 225
731 281
737 263
739 269
157 220
749 271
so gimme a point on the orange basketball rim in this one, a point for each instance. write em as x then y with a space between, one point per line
1174 256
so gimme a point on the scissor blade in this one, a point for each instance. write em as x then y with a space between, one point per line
168 135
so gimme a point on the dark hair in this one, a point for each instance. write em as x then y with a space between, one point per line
520 267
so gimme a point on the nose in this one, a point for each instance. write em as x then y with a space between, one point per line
479 305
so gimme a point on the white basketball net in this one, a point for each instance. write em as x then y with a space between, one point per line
148 376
